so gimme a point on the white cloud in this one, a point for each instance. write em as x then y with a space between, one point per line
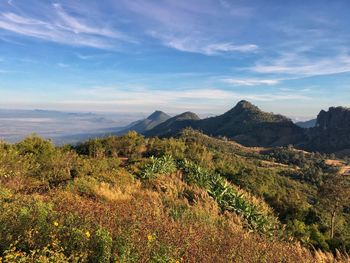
183 25
295 63
62 28
202 46
251 82
72 24
229 47
63 65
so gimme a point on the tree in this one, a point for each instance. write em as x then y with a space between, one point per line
335 194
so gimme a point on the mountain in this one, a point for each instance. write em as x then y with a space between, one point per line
245 123
331 132
307 124
174 125
149 123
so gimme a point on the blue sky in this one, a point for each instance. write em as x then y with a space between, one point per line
290 57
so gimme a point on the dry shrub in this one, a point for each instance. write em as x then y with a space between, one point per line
110 193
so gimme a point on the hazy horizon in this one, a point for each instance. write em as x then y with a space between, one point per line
144 114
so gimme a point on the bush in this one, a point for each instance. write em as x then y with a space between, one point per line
102 246
227 197
161 165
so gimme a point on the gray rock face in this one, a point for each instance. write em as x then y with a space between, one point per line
334 118
332 131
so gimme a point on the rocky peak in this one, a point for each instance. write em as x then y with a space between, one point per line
334 118
187 116
245 105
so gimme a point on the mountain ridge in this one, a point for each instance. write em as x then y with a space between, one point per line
174 125
142 126
240 123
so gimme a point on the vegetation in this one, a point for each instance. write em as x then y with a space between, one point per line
245 123
187 199
334 193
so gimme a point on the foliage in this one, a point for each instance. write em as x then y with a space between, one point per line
198 199
227 197
161 165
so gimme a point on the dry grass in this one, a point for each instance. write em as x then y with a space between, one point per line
343 168
201 234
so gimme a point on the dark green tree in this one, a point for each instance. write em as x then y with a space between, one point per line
335 194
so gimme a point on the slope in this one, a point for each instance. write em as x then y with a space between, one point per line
149 123
245 123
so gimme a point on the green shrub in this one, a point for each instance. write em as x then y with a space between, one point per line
102 246
161 165
227 197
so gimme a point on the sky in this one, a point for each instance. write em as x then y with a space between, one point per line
290 57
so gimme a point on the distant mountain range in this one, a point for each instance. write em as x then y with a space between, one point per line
147 124
248 125
245 123
307 124
61 127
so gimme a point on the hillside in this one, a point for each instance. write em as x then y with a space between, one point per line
306 124
149 123
188 199
245 123
174 125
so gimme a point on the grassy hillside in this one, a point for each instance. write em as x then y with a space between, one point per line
187 199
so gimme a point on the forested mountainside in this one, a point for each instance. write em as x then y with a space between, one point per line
245 123
189 198
248 125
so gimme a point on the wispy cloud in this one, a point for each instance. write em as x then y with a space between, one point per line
299 64
200 45
251 82
189 99
91 57
63 28
183 25
63 65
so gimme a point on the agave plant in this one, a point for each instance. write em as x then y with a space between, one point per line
226 196
161 165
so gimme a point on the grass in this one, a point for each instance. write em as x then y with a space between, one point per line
158 209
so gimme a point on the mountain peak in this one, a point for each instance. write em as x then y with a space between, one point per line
243 107
158 115
243 104
335 117
247 112
188 115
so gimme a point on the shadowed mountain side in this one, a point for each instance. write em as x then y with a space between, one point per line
174 125
149 123
245 123
332 131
